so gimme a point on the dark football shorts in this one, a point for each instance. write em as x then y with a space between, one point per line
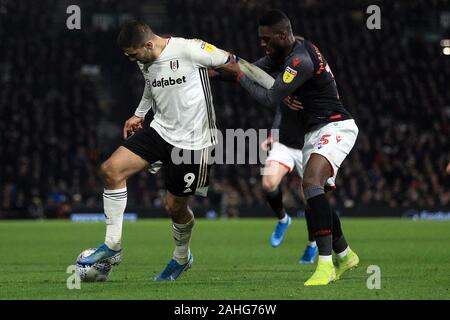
186 173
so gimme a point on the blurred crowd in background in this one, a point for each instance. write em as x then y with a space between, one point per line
65 94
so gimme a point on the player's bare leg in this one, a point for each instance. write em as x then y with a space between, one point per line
115 171
120 166
274 173
271 182
182 224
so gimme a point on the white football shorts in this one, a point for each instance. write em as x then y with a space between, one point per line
287 157
334 141
291 158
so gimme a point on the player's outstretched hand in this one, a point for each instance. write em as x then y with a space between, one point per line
132 125
231 67
293 103
448 168
213 73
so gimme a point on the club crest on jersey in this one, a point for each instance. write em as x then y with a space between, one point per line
289 75
174 64
207 47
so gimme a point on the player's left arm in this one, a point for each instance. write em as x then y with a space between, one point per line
204 54
135 122
298 70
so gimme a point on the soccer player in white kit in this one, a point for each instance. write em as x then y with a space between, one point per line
177 89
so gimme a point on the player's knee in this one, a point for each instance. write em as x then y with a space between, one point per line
110 174
167 207
175 209
314 178
269 185
310 180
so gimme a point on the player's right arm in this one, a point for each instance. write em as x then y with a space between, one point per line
132 125
135 122
146 102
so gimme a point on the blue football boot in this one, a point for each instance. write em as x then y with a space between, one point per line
102 254
174 270
280 231
309 256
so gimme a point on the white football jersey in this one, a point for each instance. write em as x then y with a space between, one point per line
177 89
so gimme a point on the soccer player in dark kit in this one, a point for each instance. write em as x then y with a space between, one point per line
328 129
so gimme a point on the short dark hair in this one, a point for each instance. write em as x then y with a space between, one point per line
133 34
275 18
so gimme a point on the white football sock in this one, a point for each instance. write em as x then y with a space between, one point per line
325 258
343 253
285 218
182 236
312 244
114 203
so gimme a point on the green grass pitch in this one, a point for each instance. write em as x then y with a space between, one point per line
233 260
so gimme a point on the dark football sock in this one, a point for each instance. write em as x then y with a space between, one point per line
337 230
309 224
275 200
321 218
339 242
324 245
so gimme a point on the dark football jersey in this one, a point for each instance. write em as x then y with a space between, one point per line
306 75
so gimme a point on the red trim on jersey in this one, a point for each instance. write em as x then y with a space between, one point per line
283 164
336 116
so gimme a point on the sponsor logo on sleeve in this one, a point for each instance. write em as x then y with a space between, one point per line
207 47
289 75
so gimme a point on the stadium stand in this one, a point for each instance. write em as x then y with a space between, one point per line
66 93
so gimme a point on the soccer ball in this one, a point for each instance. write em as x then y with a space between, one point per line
96 272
